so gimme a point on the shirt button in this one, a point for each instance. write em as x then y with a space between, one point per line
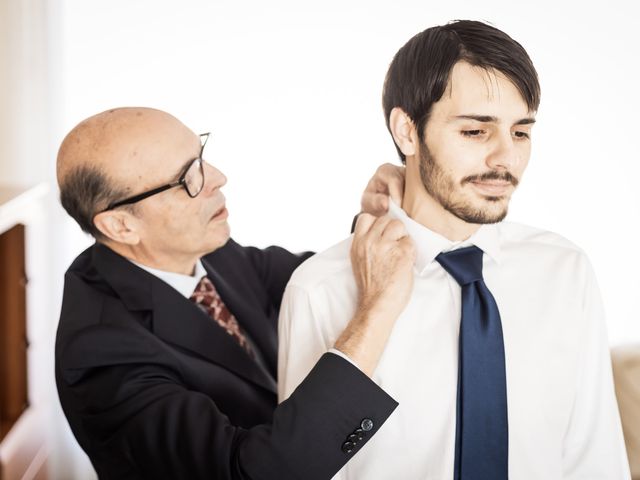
366 424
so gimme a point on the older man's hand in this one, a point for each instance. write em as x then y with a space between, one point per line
387 182
382 257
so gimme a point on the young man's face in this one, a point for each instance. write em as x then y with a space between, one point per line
476 145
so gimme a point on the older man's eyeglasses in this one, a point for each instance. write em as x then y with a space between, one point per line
192 179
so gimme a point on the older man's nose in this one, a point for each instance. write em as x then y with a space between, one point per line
214 178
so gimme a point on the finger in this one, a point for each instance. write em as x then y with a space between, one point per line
375 203
379 226
396 184
395 230
388 176
408 246
378 183
380 180
363 224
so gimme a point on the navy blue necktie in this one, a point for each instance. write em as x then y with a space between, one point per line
482 439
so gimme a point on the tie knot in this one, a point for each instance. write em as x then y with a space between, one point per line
464 265
203 290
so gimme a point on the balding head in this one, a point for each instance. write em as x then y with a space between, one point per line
143 153
105 157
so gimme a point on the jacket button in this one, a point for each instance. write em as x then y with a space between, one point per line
347 447
353 438
366 424
359 433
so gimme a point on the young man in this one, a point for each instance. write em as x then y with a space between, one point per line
500 361
166 347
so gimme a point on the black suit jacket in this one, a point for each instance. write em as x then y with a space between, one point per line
153 388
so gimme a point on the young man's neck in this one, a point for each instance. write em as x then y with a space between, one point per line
427 211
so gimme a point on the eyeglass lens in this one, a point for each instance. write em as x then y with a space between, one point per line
194 178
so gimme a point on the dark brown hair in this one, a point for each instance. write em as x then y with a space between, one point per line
419 73
84 192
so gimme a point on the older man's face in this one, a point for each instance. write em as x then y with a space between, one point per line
172 224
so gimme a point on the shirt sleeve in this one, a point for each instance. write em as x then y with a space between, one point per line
300 340
594 445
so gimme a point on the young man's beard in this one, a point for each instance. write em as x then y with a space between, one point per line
443 189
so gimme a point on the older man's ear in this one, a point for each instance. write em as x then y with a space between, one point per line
118 226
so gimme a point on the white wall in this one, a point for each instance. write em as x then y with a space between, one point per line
291 91
29 119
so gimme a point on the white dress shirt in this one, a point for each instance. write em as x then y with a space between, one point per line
184 284
562 412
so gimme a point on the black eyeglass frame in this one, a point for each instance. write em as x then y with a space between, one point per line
180 182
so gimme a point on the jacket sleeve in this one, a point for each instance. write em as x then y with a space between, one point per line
144 416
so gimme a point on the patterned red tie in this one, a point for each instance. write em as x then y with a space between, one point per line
206 295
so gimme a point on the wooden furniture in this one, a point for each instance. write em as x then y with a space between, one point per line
625 360
23 417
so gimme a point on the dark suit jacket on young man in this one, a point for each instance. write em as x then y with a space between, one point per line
153 388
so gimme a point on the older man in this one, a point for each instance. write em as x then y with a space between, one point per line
166 348
500 360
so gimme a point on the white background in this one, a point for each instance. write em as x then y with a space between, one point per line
291 91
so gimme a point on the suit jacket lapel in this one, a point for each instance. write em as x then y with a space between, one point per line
180 322
251 318
176 320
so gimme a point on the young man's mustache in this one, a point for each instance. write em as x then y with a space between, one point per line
492 175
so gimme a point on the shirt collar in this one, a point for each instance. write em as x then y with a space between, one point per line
185 284
429 243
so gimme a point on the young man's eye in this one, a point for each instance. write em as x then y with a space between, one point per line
519 134
472 133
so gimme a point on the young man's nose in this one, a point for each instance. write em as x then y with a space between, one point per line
504 154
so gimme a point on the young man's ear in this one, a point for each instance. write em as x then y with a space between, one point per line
118 225
403 131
